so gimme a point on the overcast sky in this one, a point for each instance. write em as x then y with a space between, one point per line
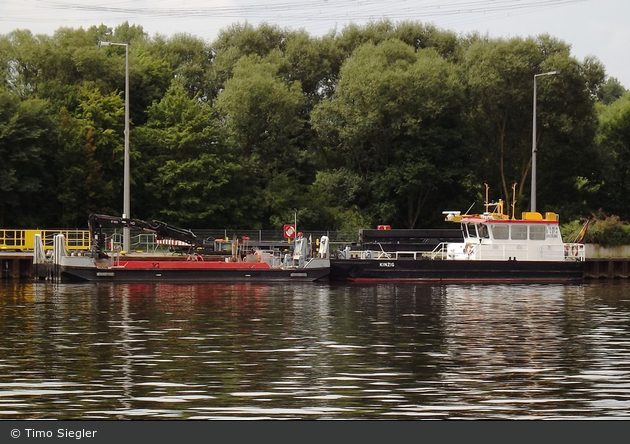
599 28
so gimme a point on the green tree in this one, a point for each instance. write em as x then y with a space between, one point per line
68 59
238 41
611 90
129 33
26 188
20 68
149 77
260 115
309 61
90 162
566 135
393 122
191 179
613 139
189 59
499 77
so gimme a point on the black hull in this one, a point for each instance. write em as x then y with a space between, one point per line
455 271
193 276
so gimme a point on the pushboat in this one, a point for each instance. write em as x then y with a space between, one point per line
492 248
255 265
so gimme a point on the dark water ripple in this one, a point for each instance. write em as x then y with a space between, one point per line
71 351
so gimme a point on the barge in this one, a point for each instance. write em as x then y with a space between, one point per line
242 266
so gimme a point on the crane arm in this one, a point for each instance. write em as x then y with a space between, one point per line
96 222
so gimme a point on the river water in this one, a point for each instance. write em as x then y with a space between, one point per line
314 351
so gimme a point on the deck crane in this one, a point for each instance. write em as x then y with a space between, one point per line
96 223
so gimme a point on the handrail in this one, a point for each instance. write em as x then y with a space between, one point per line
18 239
575 251
441 250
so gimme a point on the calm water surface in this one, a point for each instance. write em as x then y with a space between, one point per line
314 351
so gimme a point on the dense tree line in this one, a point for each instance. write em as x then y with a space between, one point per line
381 124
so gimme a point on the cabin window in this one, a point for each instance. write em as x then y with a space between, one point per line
537 232
472 232
483 231
519 232
500 231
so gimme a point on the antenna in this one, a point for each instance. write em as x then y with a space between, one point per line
470 208
513 200
487 205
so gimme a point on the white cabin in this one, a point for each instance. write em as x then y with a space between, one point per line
493 236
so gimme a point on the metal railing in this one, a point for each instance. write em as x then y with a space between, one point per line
21 240
572 251
141 242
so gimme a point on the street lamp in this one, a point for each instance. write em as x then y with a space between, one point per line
533 196
126 205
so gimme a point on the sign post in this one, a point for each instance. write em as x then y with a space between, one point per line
289 231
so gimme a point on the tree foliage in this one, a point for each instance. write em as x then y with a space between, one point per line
189 179
614 141
383 123
25 134
391 122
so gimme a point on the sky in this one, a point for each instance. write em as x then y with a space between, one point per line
599 28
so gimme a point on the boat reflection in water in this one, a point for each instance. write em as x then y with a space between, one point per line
314 350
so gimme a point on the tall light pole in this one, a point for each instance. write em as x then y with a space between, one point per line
126 204
533 196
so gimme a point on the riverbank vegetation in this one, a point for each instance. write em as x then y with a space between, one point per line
601 229
388 123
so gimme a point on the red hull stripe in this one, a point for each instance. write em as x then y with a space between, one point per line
192 265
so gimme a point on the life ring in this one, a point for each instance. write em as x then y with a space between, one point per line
574 251
468 248
258 256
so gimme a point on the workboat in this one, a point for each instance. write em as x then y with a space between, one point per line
492 248
253 265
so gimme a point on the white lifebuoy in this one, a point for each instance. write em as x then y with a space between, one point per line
468 248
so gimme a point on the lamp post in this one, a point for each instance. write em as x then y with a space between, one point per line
126 204
533 196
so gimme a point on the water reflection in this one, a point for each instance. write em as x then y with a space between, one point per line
73 351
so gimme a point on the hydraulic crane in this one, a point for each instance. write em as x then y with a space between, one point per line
96 223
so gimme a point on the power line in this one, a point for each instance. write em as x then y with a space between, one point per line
299 13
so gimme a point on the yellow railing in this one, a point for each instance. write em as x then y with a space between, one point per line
15 239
